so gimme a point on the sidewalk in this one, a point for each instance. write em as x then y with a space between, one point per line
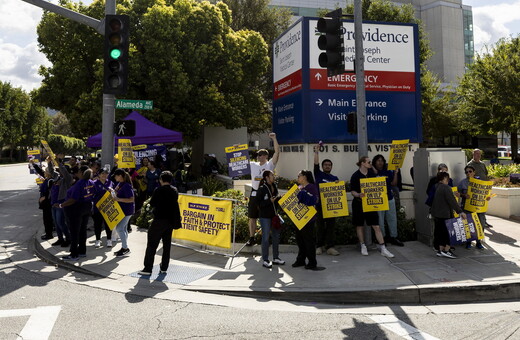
414 275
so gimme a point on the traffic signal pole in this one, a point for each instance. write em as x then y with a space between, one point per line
108 117
360 81
109 112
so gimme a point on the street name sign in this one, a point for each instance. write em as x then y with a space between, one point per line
130 104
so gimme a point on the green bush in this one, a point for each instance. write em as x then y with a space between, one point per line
66 145
146 216
503 170
469 154
211 184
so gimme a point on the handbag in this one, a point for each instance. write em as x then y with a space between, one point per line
277 221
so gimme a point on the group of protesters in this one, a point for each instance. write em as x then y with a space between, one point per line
311 241
70 192
443 202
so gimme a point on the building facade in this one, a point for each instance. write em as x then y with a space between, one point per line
448 25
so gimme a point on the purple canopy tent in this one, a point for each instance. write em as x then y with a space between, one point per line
146 132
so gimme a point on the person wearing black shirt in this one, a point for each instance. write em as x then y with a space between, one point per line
167 217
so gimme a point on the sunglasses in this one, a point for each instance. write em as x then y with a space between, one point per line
469 171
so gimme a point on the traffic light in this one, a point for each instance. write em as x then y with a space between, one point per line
115 79
331 41
352 123
124 128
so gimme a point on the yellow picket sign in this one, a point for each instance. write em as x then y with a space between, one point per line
376 197
299 213
126 154
478 226
235 148
455 190
39 180
110 210
49 151
478 191
333 197
205 221
398 153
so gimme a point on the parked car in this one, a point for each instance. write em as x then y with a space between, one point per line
504 151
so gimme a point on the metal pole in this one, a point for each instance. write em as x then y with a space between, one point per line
109 112
360 81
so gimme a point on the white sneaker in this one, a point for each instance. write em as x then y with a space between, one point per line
333 252
319 251
278 262
364 250
385 252
97 244
109 243
267 264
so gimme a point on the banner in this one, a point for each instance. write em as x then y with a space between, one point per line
460 231
376 197
478 191
333 197
110 210
126 154
398 153
238 160
51 154
150 151
35 156
299 213
205 221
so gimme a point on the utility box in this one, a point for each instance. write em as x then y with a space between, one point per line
425 164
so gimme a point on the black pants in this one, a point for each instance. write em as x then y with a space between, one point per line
441 237
77 218
99 222
306 241
48 222
159 230
325 230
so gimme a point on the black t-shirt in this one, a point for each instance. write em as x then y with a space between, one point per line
164 202
355 184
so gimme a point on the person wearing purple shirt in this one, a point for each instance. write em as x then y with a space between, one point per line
306 237
77 207
101 186
124 194
326 226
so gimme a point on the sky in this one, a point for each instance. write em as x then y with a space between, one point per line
20 58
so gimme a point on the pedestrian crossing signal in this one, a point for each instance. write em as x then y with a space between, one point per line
124 128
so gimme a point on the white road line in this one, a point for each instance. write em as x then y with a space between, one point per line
40 323
392 323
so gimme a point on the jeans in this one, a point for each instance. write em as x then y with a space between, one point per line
391 219
58 215
265 224
122 231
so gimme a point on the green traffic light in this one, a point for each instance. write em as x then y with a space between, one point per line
115 53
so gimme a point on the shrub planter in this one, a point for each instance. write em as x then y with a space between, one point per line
506 203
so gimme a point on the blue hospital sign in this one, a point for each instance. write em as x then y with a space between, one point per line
309 106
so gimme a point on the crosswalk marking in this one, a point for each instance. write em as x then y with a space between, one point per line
40 323
392 323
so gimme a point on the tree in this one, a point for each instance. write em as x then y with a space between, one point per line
61 125
184 56
489 96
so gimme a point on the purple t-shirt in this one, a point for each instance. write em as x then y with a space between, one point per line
81 191
124 190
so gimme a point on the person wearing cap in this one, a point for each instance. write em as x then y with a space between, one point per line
257 169
481 172
101 186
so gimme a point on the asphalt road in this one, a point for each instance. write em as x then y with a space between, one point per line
33 305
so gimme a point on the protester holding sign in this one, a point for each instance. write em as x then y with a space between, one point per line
306 236
62 182
257 169
326 226
381 169
463 190
443 204
167 217
101 186
481 172
124 194
78 206
266 198
359 217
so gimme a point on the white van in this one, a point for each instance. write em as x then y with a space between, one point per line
504 151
